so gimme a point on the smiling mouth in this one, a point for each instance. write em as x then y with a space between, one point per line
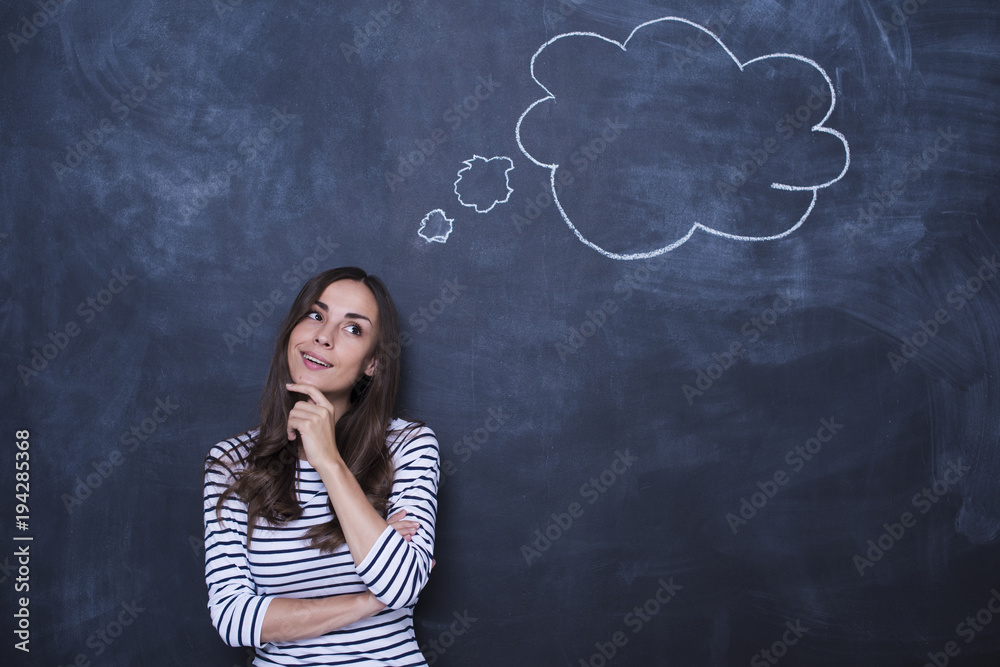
314 360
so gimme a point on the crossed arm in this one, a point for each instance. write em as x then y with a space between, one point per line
289 619
393 569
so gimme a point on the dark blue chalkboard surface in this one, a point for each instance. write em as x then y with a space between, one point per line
701 299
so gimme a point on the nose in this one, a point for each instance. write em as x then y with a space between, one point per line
324 337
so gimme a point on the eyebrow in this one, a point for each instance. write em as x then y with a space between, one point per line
350 316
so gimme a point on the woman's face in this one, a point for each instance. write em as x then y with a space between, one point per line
334 344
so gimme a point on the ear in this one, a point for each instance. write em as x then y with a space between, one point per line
370 369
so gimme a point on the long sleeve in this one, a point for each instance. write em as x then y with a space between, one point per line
396 570
237 610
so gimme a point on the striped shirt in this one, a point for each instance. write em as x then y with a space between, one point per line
281 563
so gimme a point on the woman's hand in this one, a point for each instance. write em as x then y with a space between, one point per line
314 422
405 528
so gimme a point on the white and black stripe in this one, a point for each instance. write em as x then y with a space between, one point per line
281 562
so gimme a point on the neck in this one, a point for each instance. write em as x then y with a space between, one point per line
341 404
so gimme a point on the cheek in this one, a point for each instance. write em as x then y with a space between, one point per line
294 362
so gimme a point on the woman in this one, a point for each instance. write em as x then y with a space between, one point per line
300 560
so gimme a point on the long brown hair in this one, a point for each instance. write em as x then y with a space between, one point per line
266 480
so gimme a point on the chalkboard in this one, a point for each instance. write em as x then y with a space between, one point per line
700 299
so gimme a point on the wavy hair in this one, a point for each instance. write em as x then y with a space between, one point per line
265 480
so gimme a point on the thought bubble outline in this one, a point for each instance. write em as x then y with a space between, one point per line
436 238
818 127
506 176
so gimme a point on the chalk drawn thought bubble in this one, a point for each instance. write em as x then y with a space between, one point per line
701 140
436 227
484 182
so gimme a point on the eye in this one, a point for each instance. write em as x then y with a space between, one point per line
315 315
355 329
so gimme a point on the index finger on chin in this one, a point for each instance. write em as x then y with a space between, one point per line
312 392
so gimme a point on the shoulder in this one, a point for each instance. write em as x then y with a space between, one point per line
229 455
408 440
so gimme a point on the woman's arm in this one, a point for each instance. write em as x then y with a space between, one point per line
395 570
237 610
242 616
314 422
289 619
362 525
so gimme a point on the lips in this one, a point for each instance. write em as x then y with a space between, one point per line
314 361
